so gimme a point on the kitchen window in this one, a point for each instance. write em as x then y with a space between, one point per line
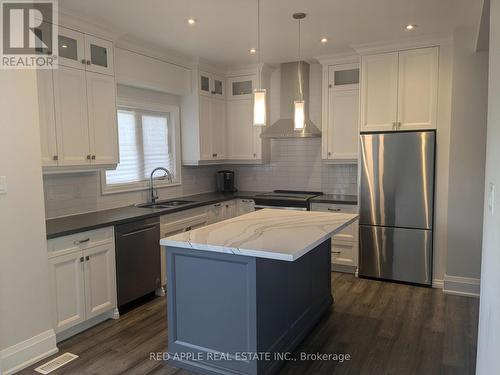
148 138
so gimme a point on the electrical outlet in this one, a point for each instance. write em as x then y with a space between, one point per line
3 185
491 200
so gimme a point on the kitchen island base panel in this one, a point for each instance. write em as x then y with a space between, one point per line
221 306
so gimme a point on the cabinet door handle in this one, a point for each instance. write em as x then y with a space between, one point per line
394 125
84 61
88 157
79 242
81 259
87 258
88 62
187 229
213 92
55 157
399 125
335 209
329 153
217 205
93 157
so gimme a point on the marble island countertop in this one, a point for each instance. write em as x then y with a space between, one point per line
269 233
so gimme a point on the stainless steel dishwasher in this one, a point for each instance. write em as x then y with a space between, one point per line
137 259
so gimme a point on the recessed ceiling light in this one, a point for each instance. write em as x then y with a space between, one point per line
191 21
252 50
324 40
410 27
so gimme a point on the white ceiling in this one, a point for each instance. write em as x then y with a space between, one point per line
226 29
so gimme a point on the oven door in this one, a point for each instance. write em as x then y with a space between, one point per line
260 207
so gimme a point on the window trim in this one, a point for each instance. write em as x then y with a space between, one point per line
173 110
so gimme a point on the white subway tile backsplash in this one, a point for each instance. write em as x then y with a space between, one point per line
295 165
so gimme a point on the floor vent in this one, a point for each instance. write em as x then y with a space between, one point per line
56 363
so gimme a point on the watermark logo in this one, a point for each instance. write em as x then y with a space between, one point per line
29 34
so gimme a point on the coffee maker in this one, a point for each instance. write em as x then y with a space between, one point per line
225 182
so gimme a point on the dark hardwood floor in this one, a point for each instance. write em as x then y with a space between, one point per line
386 328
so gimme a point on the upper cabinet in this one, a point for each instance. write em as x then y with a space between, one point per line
217 120
399 90
85 52
204 120
211 85
341 113
77 105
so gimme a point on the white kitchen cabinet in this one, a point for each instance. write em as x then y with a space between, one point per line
85 52
241 87
379 91
399 90
222 211
212 85
240 130
102 121
47 120
418 88
71 48
67 290
219 131
203 124
82 277
344 251
341 132
100 282
70 97
99 55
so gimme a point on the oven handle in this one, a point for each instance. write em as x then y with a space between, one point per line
260 207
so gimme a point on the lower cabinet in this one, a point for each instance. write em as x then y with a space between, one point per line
82 277
244 206
344 254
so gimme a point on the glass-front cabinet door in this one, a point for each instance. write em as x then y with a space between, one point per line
99 55
204 83
218 86
241 87
71 51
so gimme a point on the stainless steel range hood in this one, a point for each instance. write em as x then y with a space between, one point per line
289 92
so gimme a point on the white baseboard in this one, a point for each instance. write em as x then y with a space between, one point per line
437 283
461 286
28 352
83 326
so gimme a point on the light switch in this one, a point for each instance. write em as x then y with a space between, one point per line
3 185
491 201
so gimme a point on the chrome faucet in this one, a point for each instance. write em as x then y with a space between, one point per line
167 174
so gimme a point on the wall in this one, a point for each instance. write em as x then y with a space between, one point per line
296 165
25 321
488 360
467 160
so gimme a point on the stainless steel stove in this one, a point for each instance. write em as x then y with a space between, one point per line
285 199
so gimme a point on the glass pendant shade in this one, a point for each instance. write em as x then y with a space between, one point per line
259 107
298 115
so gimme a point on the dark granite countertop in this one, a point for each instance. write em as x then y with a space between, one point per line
336 198
64 226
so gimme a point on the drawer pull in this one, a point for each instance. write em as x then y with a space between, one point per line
334 209
81 241
335 252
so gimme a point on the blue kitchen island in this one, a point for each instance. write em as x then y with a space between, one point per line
243 293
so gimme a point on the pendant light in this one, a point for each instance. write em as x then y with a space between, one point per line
259 94
299 105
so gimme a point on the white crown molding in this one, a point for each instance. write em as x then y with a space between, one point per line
338 58
402 44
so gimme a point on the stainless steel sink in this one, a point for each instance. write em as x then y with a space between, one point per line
165 204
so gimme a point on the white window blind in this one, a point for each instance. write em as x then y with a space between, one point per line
146 142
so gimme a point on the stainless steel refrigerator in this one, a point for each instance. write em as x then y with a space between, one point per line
397 205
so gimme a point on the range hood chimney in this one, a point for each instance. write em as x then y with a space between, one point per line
290 91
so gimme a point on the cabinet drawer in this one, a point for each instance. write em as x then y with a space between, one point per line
342 253
79 241
169 218
348 234
184 224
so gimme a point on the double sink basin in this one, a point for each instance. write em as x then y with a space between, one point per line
165 204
